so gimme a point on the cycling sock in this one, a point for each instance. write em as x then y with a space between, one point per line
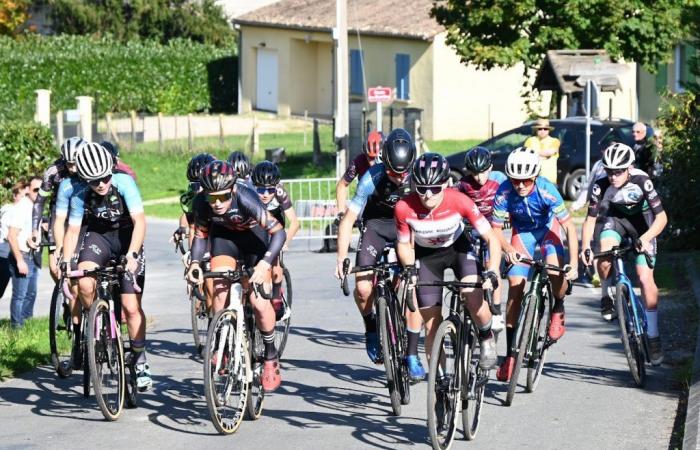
276 290
497 309
604 284
139 349
370 323
652 323
413 337
558 305
485 331
268 338
510 335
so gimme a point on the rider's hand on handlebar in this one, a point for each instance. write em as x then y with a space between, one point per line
194 274
262 268
572 273
643 245
410 274
512 257
490 280
131 263
339 268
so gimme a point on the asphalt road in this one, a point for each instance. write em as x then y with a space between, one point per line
331 396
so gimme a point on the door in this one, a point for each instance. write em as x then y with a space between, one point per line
267 77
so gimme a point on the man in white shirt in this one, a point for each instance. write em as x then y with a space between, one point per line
22 267
19 191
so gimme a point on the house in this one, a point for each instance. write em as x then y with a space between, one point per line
286 66
235 8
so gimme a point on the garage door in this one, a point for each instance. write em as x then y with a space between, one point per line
267 77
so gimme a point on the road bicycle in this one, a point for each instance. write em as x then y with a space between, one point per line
283 316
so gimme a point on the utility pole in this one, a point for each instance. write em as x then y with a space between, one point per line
342 120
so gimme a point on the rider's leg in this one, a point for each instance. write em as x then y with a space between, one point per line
364 300
277 279
221 287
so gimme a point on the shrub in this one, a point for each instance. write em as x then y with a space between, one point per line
26 149
145 76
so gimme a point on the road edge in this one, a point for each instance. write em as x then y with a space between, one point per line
691 435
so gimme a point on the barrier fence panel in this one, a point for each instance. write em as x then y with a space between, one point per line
314 203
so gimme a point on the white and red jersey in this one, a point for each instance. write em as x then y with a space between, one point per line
441 226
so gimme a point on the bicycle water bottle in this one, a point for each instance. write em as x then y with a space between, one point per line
236 295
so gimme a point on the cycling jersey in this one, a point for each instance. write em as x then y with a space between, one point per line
357 168
106 212
122 167
484 195
186 200
54 174
64 194
279 203
632 199
377 194
532 212
442 225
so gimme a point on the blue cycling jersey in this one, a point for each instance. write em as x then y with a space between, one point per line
532 212
377 195
111 211
64 194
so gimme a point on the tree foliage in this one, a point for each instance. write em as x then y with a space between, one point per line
26 148
13 14
161 20
503 33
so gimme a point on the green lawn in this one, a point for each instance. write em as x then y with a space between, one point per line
26 348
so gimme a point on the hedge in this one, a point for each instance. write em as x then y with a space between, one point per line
177 78
26 149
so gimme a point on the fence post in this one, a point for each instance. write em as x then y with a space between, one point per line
59 127
132 113
221 131
190 137
43 107
110 131
161 144
85 109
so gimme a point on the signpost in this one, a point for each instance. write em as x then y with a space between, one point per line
380 95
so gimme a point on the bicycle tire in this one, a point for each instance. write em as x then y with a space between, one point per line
386 332
523 344
400 365
84 351
131 386
630 342
200 321
256 393
282 326
224 383
442 400
98 344
61 363
536 364
472 374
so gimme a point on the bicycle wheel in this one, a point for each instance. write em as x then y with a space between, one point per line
226 366
256 393
60 330
387 333
474 381
282 325
443 386
401 378
106 358
539 355
84 357
630 340
131 388
200 321
525 332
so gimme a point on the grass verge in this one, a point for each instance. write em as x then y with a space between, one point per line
26 348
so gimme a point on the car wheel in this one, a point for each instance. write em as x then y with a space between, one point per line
574 183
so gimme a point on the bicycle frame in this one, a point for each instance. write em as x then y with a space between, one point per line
637 318
539 287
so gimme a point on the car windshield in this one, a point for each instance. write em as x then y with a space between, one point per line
508 141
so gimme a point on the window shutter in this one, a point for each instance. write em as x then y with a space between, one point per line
403 67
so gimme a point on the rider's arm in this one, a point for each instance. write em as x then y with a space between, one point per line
587 232
404 246
494 244
345 233
75 220
293 224
572 241
277 239
59 231
132 197
500 216
656 227
139 233
341 194
365 188
70 241
660 218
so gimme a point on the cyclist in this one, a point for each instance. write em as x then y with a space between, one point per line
194 168
358 167
239 229
629 206
241 164
110 206
62 168
378 191
480 185
430 228
119 165
537 214
266 179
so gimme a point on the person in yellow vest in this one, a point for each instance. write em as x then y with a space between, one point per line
547 147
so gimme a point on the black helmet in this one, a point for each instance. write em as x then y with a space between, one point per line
399 151
430 169
196 164
112 149
266 173
478 159
240 163
217 176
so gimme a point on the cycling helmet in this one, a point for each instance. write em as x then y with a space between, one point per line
112 149
266 173
217 176
523 163
478 160
93 161
618 156
194 167
240 163
430 169
398 151
373 145
70 147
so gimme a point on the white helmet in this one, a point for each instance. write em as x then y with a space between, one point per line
523 163
618 156
93 161
70 147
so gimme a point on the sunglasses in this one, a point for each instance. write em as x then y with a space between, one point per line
523 183
432 190
614 172
99 181
265 189
212 198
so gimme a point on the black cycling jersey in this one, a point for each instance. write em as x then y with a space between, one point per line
636 196
54 174
377 194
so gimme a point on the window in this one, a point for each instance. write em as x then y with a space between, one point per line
357 85
508 141
683 75
403 67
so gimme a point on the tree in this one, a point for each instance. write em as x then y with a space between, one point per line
13 14
503 33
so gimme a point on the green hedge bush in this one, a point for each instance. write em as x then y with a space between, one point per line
26 149
177 78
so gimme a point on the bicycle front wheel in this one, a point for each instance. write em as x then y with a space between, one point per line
256 393
539 356
631 342
525 332
474 382
388 335
106 360
444 386
60 332
282 325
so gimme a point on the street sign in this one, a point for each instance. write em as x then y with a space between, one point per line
380 94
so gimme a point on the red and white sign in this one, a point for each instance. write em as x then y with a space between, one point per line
380 94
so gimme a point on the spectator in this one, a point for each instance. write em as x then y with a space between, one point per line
23 271
19 191
644 149
547 147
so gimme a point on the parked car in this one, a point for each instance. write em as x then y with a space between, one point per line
571 165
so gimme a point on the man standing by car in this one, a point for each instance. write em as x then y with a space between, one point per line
644 151
547 147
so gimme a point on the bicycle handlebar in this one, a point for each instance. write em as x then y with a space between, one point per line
235 276
113 270
619 251
538 263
